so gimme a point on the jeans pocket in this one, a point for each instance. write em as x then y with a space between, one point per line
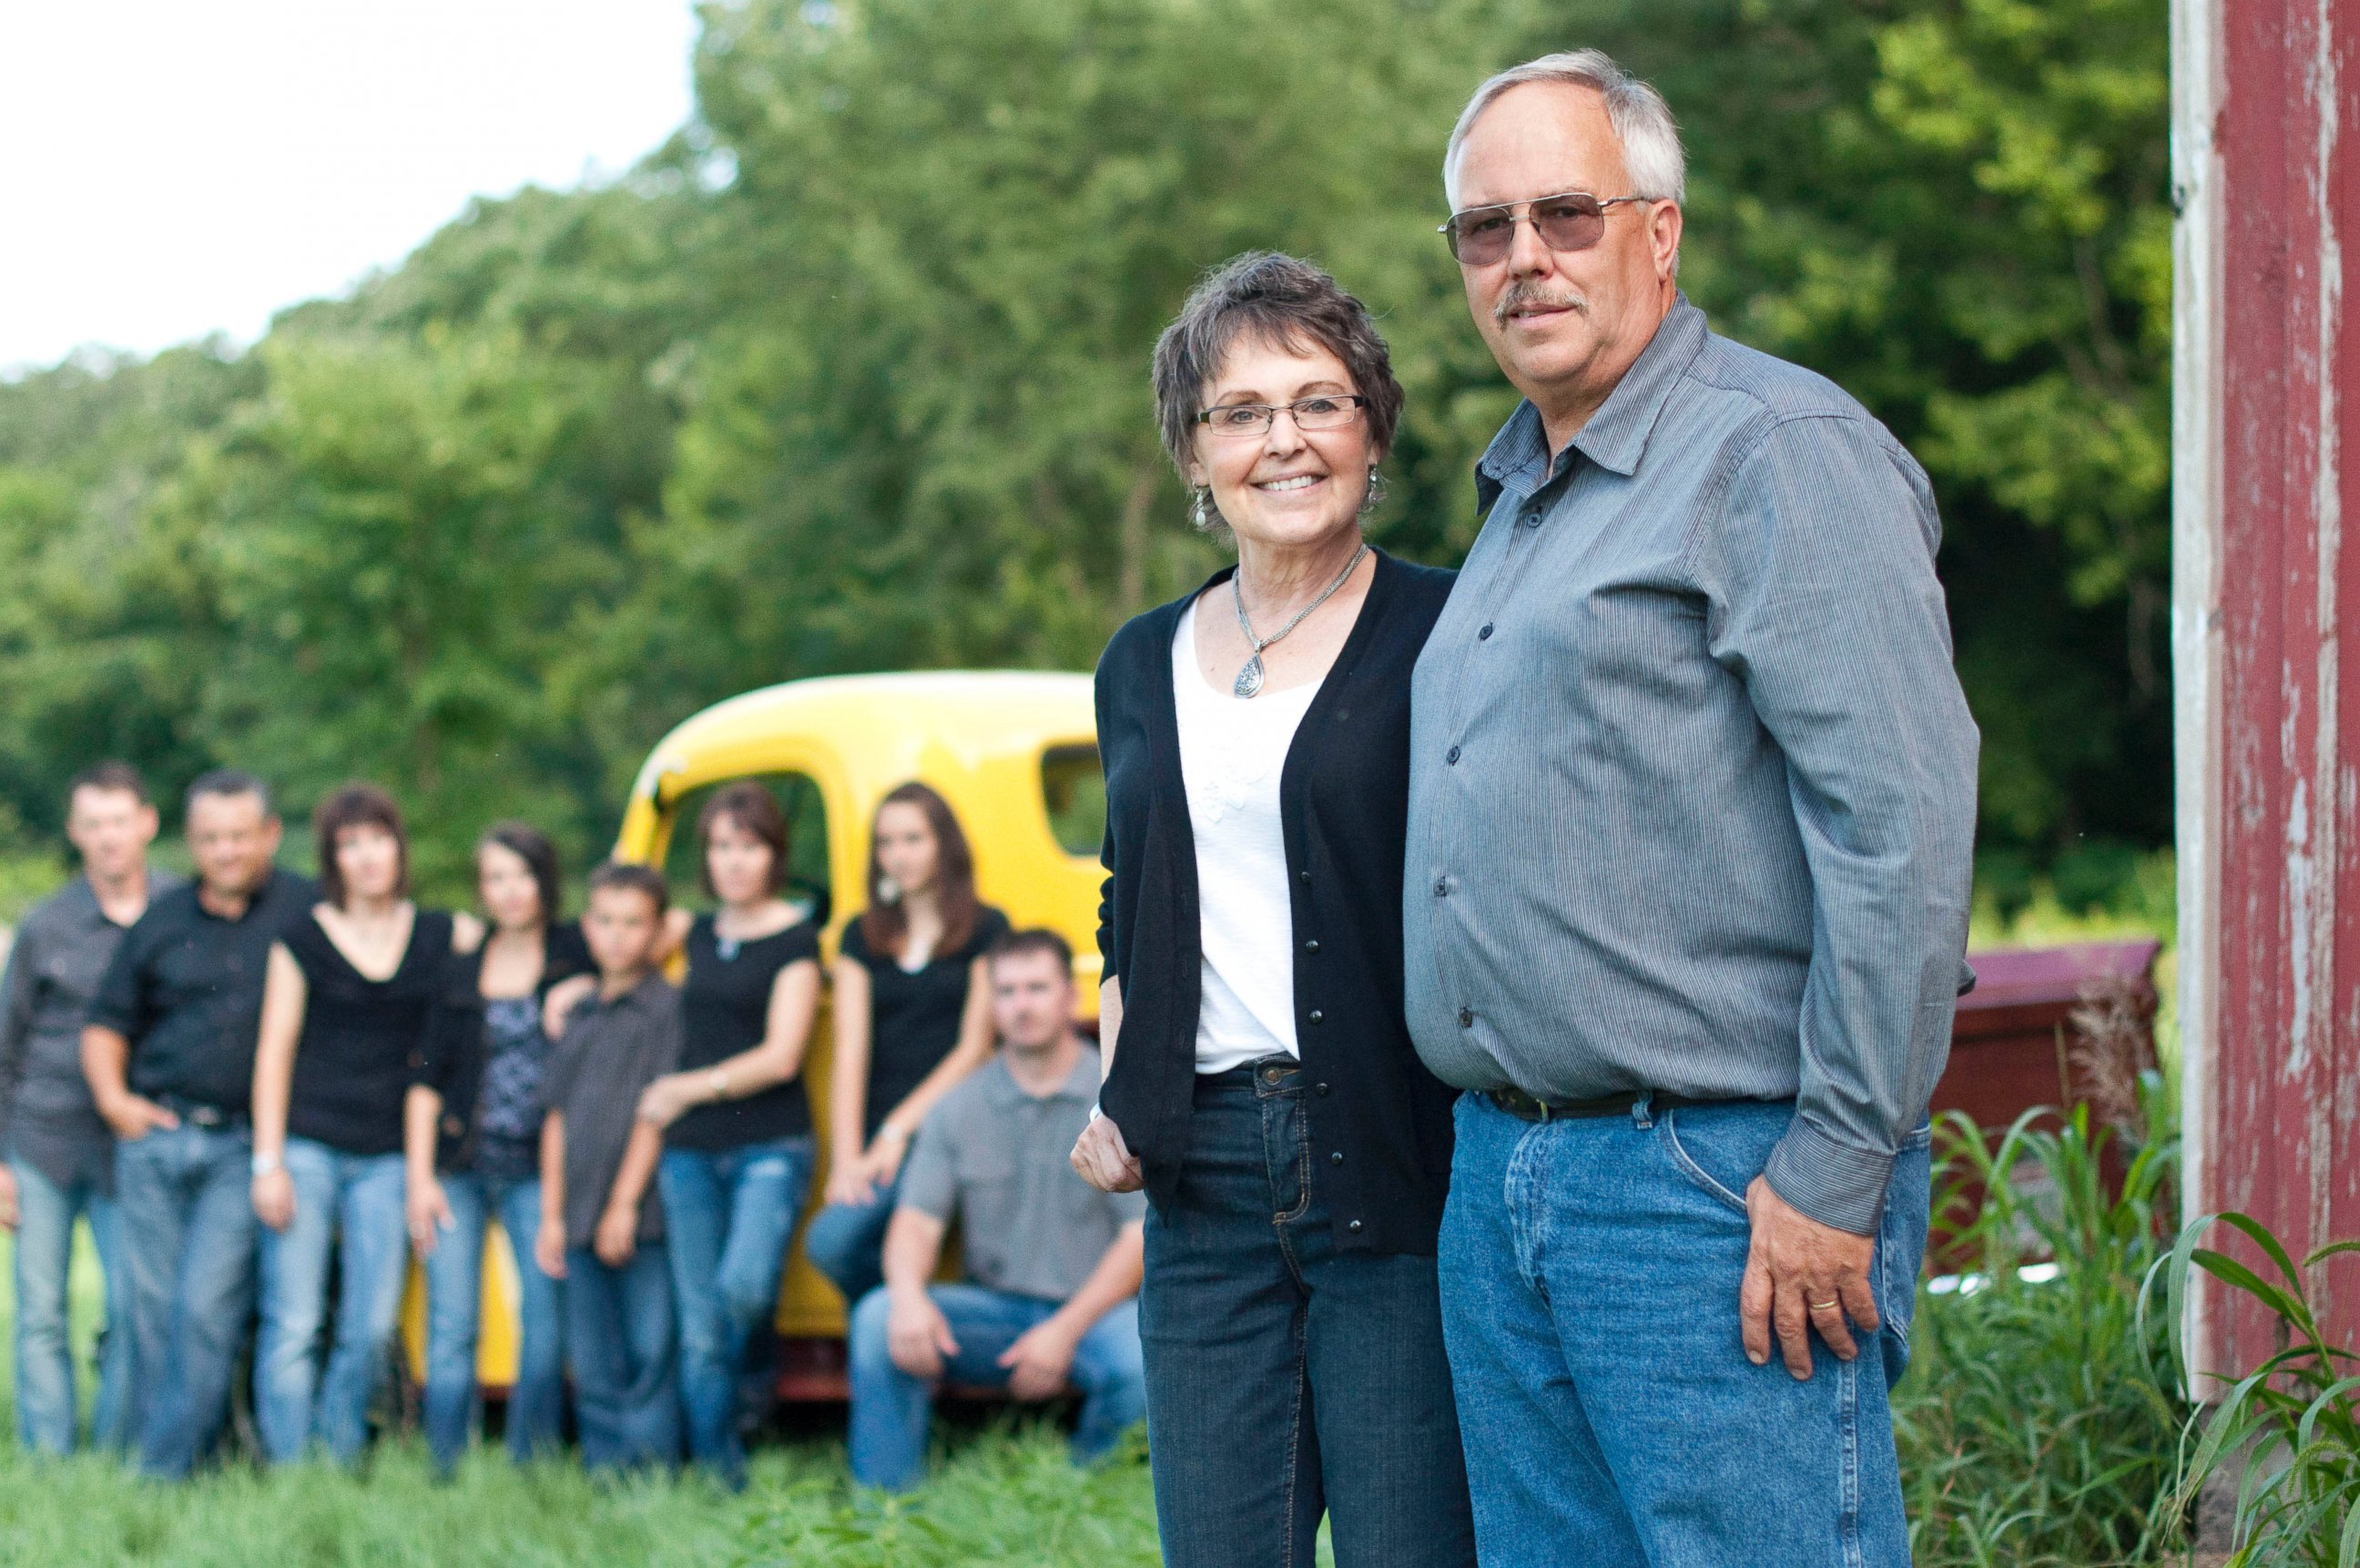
1667 1131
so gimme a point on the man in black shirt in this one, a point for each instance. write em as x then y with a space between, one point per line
168 1051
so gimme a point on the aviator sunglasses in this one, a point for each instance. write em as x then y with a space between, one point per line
1481 236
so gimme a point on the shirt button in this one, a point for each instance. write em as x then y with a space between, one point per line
1533 518
1321 1088
1303 877
1467 1017
1484 635
1310 944
1335 1158
1317 1017
1354 1227
1442 887
1453 757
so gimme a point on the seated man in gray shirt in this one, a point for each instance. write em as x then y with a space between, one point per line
1054 1264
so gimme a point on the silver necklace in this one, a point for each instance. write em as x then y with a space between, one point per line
1249 681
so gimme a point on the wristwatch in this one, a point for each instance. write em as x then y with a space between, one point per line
264 1164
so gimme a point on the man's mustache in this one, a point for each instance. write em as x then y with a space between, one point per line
1521 295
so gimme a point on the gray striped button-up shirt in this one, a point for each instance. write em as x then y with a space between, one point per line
1692 783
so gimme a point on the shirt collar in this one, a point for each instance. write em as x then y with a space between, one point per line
1000 1087
1615 437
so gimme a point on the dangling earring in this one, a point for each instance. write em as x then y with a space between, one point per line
887 891
1376 495
1200 511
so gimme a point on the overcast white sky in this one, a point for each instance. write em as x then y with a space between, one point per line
171 168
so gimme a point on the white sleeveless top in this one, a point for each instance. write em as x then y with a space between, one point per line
1232 751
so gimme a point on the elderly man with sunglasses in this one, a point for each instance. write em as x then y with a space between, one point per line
1691 811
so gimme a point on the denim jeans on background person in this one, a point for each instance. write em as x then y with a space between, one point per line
891 1408
728 1215
454 1296
347 1207
1590 1280
845 1242
185 1200
1285 1377
618 1336
46 1409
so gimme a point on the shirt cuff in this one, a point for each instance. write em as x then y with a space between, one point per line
1834 1183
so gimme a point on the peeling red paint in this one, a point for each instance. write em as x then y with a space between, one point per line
2279 1041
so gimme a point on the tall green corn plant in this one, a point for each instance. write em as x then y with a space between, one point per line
2033 1430
2293 1421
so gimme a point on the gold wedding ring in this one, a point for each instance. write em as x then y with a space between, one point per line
1823 1306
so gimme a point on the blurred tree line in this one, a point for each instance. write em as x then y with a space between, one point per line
852 375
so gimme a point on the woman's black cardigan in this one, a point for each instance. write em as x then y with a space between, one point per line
1380 1124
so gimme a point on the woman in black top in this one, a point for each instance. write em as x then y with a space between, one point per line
473 1146
1261 1082
912 1017
342 1006
738 1130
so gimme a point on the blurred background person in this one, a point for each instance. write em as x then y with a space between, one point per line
912 1017
735 1123
1260 1080
602 1226
471 1141
343 1012
1053 1265
61 1157
169 1052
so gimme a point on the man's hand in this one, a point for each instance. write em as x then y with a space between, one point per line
1037 1362
548 1248
428 1209
618 1237
274 1198
1800 1275
134 1116
1101 1159
8 1199
918 1336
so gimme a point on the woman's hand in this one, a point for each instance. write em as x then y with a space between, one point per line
848 1182
548 1248
561 1002
886 1152
428 1209
664 1100
1101 1159
274 1198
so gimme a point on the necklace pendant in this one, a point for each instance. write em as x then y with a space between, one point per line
1249 681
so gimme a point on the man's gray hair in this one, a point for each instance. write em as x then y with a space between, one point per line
1642 120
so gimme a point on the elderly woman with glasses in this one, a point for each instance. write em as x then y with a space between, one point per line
1260 1083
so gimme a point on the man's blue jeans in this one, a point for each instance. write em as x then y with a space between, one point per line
1287 1378
728 1218
889 1407
1590 1280
347 1206
455 1297
619 1334
186 1197
846 1241
46 1411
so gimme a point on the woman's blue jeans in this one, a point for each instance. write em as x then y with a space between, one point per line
728 1215
45 1371
846 1241
1285 1377
454 1298
348 1208
1590 1270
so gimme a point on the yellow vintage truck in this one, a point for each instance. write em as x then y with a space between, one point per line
1016 755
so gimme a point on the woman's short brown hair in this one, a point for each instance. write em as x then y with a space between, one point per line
356 806
756 811
1280 299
